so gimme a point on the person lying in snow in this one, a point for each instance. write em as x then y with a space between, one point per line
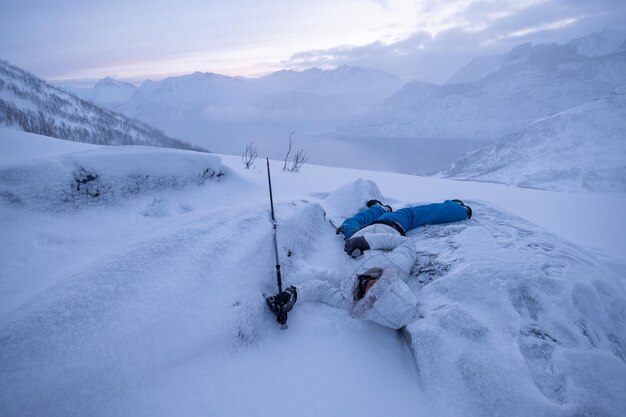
377 289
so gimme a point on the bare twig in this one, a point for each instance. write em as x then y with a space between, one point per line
288 151
249 155
299 159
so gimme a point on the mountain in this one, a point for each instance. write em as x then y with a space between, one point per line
477 68
313 93
599 43
582 148
32 105
344 80
187 97
108 92
595 44
533 81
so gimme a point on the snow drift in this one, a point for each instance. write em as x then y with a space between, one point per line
94 175
108 311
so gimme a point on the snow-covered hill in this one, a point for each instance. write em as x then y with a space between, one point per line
312 93
582 148
533 81
30 104
108 92
150 303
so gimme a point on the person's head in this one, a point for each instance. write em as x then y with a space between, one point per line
365 281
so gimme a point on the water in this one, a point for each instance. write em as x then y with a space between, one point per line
403 155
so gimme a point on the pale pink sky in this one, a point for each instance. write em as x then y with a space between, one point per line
142 39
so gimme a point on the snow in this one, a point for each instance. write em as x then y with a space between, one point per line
595 44
150 302
533 81
581 148
108 92
324 94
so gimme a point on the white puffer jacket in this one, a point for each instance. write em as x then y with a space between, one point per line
390 302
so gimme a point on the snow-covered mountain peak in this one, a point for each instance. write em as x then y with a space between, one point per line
599 43
108 82
492 100
520 52
326 94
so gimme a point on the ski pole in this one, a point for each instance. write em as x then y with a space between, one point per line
282 315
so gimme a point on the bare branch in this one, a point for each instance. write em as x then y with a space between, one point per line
288 151
249 155
299 159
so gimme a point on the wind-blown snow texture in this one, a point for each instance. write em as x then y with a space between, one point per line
152 305
30 104
582 148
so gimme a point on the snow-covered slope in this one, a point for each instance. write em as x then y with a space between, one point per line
605 42
599 43
30 104
533 82
312 93
185 97
94 175
582 148
108 92
153 306
478 68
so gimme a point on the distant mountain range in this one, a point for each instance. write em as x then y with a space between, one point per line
529 82
582 148
30 104
326 96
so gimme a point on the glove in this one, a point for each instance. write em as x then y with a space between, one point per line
385 207
282 302
356 246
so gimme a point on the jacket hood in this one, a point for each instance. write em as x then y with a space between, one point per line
390 302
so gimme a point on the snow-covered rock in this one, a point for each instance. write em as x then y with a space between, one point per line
60 178
582 148
515 322
30 104
533 81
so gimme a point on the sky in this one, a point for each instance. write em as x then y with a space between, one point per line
425 40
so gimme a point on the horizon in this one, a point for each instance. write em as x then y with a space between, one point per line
414 40
89 83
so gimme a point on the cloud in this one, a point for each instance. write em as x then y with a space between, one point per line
483 28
